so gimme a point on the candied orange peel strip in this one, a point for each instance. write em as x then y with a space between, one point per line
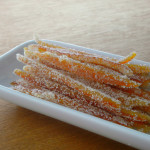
39 60
127 113
135 115
83 57
145 84
45 94
99 98
125 68
51 85
61 78
128 58
87 71
139 92
128 100
141 78
103 87
139 68
47 73
145 109
71 103
141 127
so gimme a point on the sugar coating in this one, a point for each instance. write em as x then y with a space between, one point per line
71 103
127 58
49 82
130 114
139 92
89 71
87 57
126 99
139 68
53 74
140 78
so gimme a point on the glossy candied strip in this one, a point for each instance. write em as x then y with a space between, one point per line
85 57
87 71
139 68
128 58
99 98
71 103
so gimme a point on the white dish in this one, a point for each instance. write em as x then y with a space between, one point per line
110 130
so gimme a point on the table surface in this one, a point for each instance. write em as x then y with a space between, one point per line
118 26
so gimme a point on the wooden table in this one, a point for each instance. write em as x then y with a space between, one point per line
118 26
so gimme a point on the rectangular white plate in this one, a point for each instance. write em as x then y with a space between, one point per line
113 131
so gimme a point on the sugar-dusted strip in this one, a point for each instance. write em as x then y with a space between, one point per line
127 58
34 81
39 60
143 79
71 103
128 100
140 78
127 113
99 99
139 68
45 73
139 92
31 89
88 71
84 57
135 115
141 127
143 109
50 85
145 84
64 79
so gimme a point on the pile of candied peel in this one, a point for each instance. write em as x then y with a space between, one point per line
107 88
